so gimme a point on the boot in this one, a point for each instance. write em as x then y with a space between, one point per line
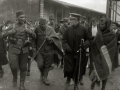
14 73
41 71
22 80
28 73
76 87
104 82
81 81
1 72
67 83
45 80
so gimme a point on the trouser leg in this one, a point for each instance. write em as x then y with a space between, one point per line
13 61
1 72
0 68
28 67
22 80
62 62
23 68
14 73
40 63
104 82
46 71
41 71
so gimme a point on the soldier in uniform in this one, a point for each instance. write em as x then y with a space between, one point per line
71 43
18 47
47 39
61 32
83 21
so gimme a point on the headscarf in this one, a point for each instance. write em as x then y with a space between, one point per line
107 23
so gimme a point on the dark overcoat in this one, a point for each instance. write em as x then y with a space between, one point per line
72 39
3 58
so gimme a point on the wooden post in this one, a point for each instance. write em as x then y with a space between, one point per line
113 10
116 12
107 9
41 8
62 12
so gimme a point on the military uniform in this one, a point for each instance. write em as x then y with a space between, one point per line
18 49
45 57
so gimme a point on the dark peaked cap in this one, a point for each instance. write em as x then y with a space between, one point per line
61 21
20 12
74 15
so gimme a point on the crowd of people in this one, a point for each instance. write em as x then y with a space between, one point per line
73 43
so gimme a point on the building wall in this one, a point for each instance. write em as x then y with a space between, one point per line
8 9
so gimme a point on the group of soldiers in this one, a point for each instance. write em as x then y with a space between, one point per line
68 43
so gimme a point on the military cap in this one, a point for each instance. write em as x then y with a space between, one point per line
65 20
74 16
84 17
20 12
42 21
51 17
93 19
61 21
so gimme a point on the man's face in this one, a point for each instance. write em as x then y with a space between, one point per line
43 26
94 23
52 21
73 21
21 19
114 26
102 26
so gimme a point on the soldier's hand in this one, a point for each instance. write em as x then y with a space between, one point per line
68 49
10 32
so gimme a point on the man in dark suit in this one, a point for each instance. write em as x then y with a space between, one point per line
71 44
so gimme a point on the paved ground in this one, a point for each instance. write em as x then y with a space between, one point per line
56 78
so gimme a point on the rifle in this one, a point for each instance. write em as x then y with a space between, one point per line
79 63
38 49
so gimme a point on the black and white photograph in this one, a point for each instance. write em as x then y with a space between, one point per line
59 44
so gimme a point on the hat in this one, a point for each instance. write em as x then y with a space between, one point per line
61 21
42 21
51 17
65 20
74 16
94 19
21 12
84 17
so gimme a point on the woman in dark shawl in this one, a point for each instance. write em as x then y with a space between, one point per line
103 54
3 58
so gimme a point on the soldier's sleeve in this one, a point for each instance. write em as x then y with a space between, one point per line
88 39
8 31
31 32
4 32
